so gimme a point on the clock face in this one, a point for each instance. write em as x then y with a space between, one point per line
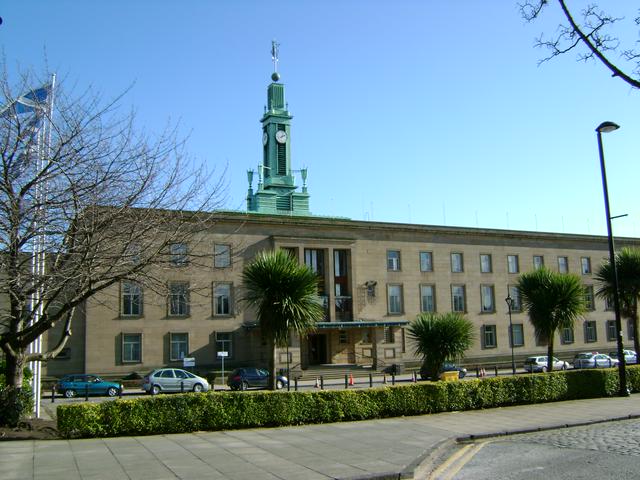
281 136
265 138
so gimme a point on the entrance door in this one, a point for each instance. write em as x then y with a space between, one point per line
317 349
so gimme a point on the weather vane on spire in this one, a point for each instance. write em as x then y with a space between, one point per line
275 47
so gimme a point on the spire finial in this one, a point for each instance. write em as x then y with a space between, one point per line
275 48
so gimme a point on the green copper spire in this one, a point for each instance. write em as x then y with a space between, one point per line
276 191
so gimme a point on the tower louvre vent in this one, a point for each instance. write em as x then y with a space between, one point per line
283 202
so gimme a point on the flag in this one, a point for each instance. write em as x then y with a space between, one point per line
31 102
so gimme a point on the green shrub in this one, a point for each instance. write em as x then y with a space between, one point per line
190 412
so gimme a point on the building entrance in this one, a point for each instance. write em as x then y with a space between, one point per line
317 349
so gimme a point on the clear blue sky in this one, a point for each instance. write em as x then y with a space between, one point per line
414 111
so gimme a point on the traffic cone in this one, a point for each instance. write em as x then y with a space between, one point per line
351 379
317 385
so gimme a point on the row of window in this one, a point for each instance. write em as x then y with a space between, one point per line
179 255
395 300
486 262
178 346
178 301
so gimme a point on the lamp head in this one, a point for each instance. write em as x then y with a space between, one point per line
606 127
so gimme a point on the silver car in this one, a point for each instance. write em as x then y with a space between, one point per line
594 360
173 380
630 356
539 364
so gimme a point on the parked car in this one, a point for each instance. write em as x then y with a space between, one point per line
173 380
630 356
72 385
248 377
540 364
594 360
446 367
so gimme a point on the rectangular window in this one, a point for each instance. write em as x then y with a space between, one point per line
343 337
131 347
538 262
222 299
630 331
314 259
457 264
426 261
366 336
131 299
589 299
221 255
489 336
427 298
487 299
224 343
516 300
178 254
178 299
585 265
393 260
513 264
611 331
457 298
485 263
179 347
566 335
389 335
609 304
590 332
394 299
563 264
517 335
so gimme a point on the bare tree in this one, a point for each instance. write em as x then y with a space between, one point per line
86 201
593 34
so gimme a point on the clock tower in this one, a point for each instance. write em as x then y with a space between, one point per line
276 191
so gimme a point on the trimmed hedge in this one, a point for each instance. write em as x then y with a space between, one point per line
190 412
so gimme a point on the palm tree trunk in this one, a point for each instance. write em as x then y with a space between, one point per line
272 363
550 351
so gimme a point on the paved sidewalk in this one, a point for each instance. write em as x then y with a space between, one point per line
390 448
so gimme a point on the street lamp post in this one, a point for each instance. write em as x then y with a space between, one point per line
509 301
606 127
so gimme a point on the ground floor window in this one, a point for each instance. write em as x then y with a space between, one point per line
224 343
489 336
590 332
630 329
389 336
517 335
179 347
566 335
611 330
132 347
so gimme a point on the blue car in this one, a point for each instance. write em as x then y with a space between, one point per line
72 385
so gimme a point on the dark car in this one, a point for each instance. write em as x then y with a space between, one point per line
446 367
249 377
72 385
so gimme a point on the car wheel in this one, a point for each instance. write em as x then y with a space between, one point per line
197 387
544 370
244 386
155 390
69 393
279 384
112 391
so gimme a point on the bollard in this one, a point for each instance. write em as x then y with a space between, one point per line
384 378
393 379
181 386
121 390
321 382
370 380
415 377
295 384
477 372
53 393
346 381
496 369
86 393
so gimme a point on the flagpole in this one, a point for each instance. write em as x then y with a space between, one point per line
44 150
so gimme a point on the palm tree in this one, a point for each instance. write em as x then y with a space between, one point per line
628 269
440 337
553 301
284 294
